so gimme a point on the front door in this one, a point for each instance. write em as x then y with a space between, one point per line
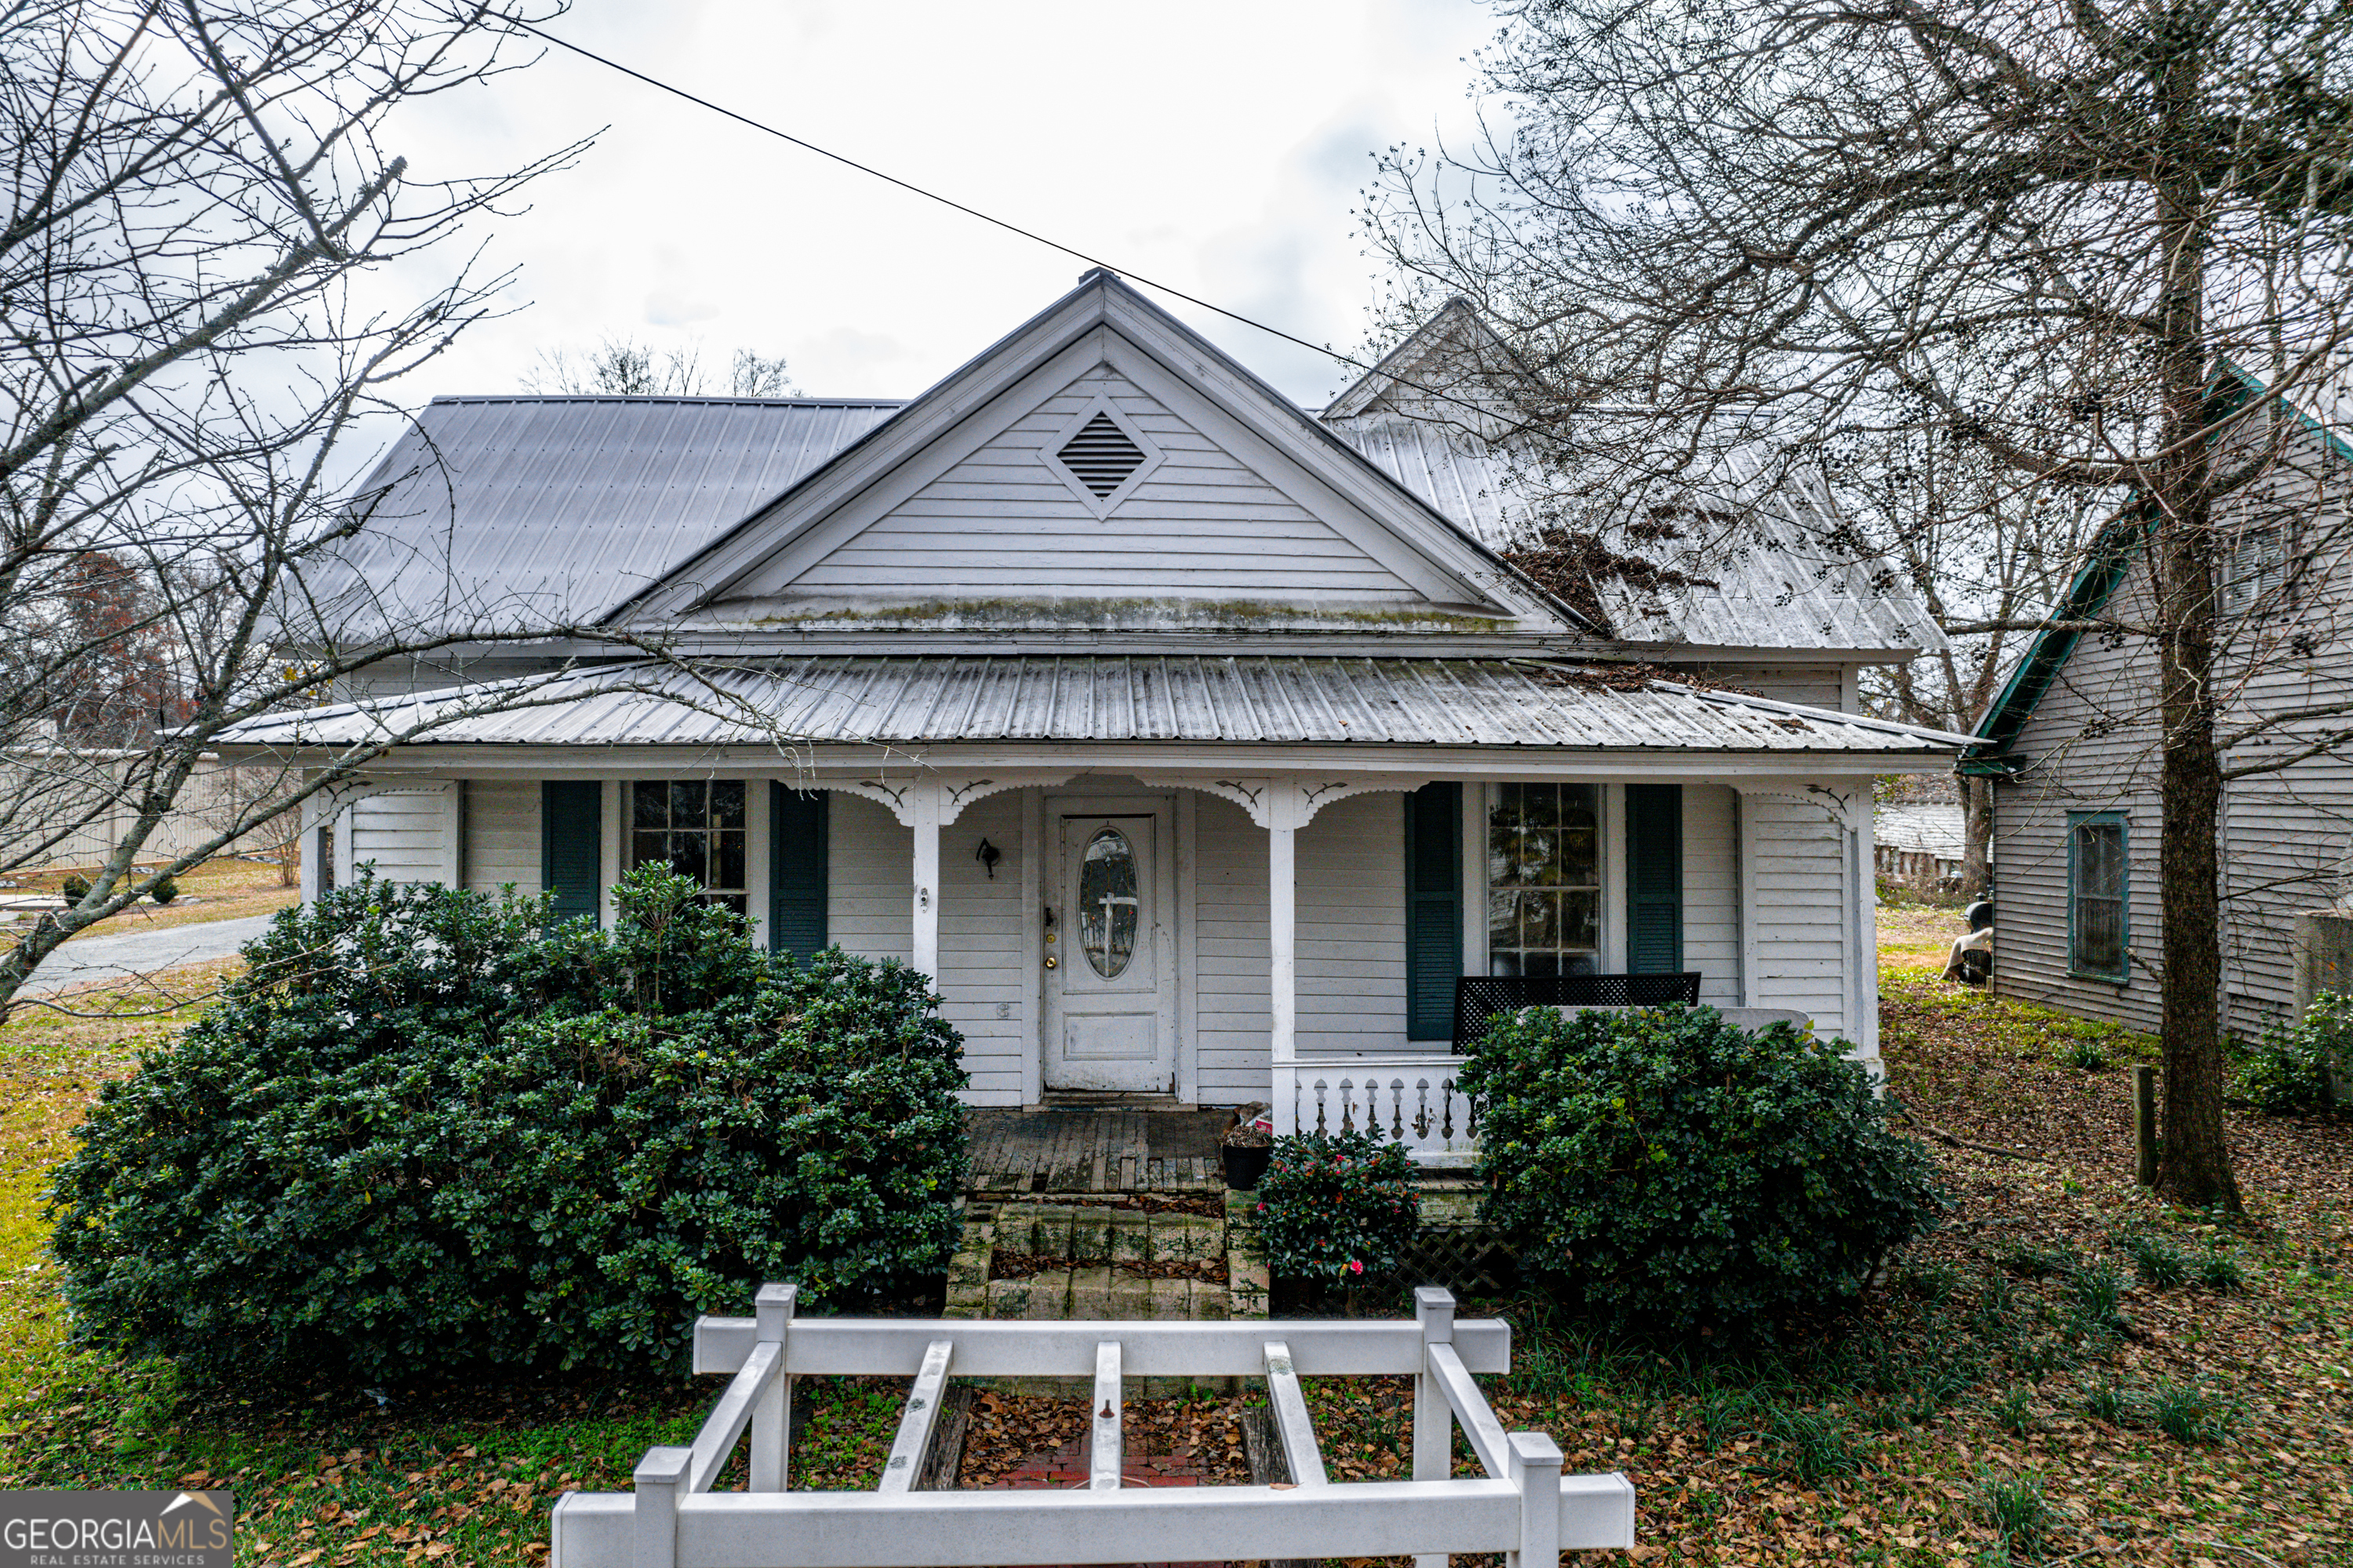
1110 993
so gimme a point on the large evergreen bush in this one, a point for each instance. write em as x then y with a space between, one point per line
1675 1172
425 1130
2288 1069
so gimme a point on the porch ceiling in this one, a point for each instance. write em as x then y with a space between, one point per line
1135 698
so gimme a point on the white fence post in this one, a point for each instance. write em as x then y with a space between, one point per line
772 1416
1433 1421
1535 1470
660 1477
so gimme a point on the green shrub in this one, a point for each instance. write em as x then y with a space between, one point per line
2154 1259
2218 1270
2017 1510
2287 1070
2089 1055
1338 1208
2192 1413
2096 1300
424 1131
1675 1172
165 890
1813 1444
76 887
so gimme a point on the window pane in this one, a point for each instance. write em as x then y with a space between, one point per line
1580 919
1580 830
1108 904
646 806
1503 963
727 805
1540 836
1503 837
727 869
645 847
1542 965
686 857
1502 921
686 803
1539 919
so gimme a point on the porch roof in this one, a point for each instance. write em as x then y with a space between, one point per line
1132 698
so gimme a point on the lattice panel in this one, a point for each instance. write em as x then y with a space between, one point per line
1479 997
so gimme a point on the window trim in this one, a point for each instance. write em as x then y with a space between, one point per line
2076 822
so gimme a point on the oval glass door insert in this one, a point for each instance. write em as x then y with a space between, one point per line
1107 903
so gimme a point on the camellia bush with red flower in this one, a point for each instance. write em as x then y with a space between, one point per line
1338 1208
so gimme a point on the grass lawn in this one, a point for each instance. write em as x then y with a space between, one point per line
225 888
2069 1370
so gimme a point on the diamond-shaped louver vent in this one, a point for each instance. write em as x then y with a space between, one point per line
1101 455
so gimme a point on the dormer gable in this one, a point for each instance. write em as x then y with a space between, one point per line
1102 466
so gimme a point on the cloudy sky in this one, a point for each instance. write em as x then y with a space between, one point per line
1217 145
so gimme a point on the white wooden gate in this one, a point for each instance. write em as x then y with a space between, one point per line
1521 1506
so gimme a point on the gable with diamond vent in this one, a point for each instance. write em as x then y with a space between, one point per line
1102 463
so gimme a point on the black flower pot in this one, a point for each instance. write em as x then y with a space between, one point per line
1245 1165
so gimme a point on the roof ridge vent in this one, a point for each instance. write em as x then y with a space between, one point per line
1101 455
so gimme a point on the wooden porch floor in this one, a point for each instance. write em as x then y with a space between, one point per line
1095 1150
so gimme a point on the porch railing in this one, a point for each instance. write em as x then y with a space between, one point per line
1411 1100
1522 1504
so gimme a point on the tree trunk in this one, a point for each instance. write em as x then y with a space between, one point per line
2194 1165
1977 836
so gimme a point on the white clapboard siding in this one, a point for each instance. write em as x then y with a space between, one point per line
1001 523
501 824
1233 1019
1712 892
1815 685
406 833
869 879
1350 863
1799 856
984 979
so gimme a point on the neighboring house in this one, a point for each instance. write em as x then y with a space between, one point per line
2072 745
1921 842
1194 743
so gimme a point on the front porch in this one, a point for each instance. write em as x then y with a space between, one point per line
1112 1150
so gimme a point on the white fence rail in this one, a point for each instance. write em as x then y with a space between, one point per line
1413 1100
1522 1506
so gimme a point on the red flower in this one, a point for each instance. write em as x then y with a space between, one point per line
1356 1267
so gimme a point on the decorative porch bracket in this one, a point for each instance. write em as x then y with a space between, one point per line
1522 1506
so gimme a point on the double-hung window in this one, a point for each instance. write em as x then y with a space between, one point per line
2098 881
696 825
1543 879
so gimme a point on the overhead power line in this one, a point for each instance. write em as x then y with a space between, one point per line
908 186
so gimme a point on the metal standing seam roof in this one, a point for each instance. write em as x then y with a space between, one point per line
518 511
1778 586
1136 698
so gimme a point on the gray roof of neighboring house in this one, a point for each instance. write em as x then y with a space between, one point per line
1921 827
511 512
1274 700
1777 585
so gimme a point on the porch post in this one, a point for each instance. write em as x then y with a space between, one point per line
1283 813
925 805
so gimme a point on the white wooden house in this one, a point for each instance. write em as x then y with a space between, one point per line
1195 743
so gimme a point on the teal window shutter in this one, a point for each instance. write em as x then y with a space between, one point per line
1654 879
796 869
570 844
1433 910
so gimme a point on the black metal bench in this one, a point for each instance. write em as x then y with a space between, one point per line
1478 997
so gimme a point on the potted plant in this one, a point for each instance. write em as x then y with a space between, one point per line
1247 1145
